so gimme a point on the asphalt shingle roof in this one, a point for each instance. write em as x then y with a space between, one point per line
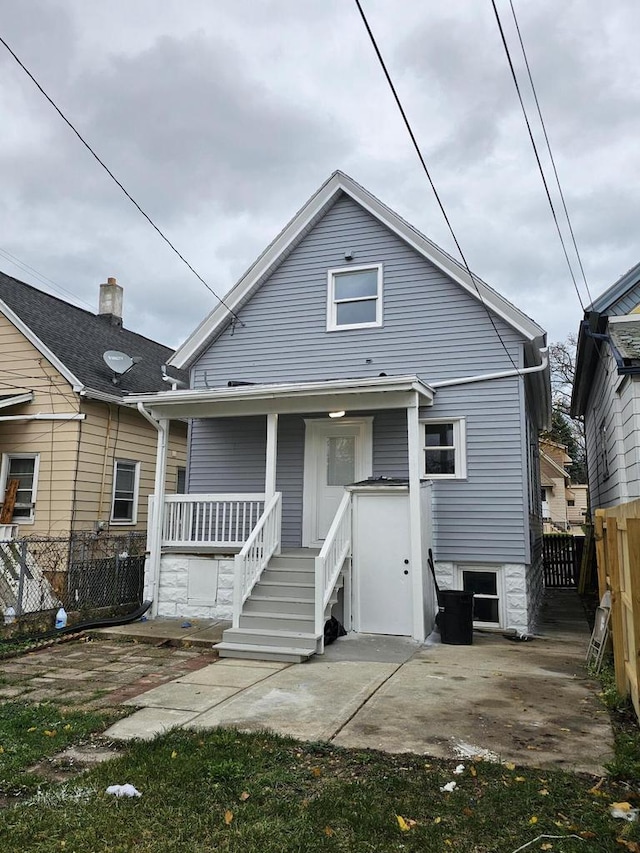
626 339
79 339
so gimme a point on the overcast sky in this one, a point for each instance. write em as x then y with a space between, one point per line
221 117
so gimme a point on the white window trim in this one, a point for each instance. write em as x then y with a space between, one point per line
501 592
6 457
136 488
459 447
332 325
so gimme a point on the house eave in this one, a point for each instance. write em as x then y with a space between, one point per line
289 398
33 339
195 344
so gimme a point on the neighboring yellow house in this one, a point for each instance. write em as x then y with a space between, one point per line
83 457
564 504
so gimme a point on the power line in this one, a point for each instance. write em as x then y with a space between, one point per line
535 150
429 178
25 267
116 181
551 157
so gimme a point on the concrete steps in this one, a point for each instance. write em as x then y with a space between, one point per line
278 618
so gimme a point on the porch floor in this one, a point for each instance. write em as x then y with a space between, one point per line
531 703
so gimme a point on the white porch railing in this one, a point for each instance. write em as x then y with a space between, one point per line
329 562
224 520
260 546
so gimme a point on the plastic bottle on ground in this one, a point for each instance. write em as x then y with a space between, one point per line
61 618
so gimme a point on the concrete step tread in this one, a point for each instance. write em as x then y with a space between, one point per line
270 614
299 584
266 650
289 599
275 632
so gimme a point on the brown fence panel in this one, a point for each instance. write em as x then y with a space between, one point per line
559 555
617 533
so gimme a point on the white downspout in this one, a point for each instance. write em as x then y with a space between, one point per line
503 374
155 539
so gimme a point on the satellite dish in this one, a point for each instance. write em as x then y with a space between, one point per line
118 362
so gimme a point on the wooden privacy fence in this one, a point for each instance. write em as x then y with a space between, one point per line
617 533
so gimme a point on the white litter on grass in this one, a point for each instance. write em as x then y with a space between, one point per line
623 811
469 750
459 769
449 787
540 837
123 790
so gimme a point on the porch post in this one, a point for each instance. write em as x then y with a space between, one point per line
154 524
415 526
272 452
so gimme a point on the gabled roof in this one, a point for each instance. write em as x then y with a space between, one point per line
618 289
74 341
298 227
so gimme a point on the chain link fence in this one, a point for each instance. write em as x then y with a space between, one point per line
92 576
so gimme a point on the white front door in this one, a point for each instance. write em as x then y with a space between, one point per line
337 453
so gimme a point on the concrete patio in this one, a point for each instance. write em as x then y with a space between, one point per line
531 703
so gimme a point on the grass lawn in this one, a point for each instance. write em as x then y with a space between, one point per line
256 793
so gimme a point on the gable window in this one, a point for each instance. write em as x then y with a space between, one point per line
124 507
354 298
22 467
443 448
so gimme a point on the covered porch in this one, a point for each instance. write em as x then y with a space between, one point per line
314 439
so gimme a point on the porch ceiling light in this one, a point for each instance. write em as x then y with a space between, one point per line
336 414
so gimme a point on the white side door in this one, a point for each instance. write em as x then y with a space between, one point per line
382 570
337 453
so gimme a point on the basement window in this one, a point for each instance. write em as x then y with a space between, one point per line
486 599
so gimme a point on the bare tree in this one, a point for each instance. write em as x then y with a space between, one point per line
565 429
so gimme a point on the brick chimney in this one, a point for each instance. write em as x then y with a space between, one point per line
110 304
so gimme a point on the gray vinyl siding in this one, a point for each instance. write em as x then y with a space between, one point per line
605 445
484 517
613 455
432 328
626 303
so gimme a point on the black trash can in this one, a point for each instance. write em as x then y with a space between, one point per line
456 617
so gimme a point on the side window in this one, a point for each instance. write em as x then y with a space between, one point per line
23 468
444 449
124 505
354 299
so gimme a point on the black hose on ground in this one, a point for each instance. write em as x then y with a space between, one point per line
85 626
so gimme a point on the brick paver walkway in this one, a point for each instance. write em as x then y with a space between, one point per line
92 673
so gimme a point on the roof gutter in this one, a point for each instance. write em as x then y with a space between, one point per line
503 374
154 524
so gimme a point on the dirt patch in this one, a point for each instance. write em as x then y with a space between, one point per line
75 760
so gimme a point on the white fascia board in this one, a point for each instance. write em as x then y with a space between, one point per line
43 416
16 400
195 343
103 397
13 318
288 389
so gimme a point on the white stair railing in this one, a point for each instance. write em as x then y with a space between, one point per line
254 557
329 562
